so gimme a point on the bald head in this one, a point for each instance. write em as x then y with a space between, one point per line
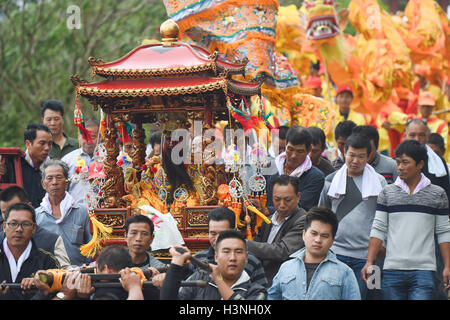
417 130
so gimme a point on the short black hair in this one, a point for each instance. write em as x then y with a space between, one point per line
318 136
315 66
282 132
358 141
285 180
116 257
52 104
222 214
14 191
31 131
21 206
155 138
438 140
298 135
344 129
324 215
413 149
370 131
231 234
139 218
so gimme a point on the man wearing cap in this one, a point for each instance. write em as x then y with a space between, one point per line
427 104
343 111
424 76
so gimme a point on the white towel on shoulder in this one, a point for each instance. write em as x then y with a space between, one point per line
64 206
371 185
14 266
435 164
305 166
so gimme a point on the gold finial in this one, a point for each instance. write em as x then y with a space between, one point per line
169 32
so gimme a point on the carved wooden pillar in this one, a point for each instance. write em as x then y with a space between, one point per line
208 115
113 187
140 147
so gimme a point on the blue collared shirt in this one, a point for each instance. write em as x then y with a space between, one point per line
74 229
333 280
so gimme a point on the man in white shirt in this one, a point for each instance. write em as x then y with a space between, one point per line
79 186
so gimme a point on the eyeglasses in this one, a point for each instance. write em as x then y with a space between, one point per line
25 225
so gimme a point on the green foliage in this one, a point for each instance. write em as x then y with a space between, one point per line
39 53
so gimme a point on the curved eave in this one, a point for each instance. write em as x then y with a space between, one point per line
231 67
244 88
196 62
147 88
145 73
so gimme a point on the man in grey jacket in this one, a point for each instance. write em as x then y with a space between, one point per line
351 192
276 241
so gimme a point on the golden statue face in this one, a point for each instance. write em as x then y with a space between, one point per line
173 120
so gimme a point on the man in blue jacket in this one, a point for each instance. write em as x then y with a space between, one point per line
60 214
314 272
296 162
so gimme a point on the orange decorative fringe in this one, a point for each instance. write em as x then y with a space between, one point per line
191 21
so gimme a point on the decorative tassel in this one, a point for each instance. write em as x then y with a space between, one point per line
102 126
78 119
99 234
247 120
259 213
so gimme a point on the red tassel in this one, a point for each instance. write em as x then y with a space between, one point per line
245 123
79 123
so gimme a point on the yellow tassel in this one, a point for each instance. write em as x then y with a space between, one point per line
259 213
100 232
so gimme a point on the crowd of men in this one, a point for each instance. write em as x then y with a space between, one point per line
360 225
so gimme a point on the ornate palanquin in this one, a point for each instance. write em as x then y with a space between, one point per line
151 83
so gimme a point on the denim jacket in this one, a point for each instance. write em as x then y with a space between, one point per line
333 280
74 230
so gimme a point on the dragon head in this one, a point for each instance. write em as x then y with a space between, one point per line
322 20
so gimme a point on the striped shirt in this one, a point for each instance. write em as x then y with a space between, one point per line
253 267
408 223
